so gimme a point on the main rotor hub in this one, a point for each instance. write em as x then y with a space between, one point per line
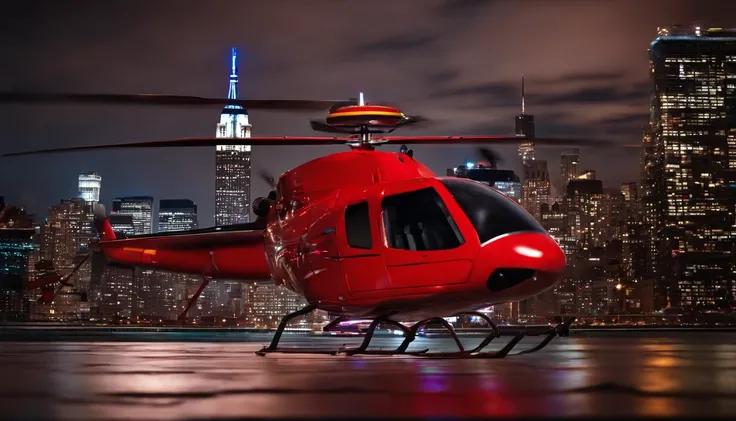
355 116
363 120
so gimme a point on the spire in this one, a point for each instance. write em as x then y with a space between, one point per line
232 92
522 95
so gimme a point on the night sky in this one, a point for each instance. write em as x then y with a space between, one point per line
458 62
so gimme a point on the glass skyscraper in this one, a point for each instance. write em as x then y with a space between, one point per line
689 166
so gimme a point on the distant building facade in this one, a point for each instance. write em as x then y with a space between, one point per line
232 162
689 167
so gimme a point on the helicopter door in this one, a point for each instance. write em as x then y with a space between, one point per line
423 244
361 260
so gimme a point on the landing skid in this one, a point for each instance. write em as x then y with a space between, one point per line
562 329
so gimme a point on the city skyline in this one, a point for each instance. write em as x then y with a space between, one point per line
663 243
600 94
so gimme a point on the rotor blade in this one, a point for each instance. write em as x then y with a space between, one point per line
414 120
321 126
497 140
169 100
202 142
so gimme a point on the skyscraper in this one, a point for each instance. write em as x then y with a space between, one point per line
232 162
90 184
140 207
177 215
689 167
535 189
569 167
16 246
525 128
64 233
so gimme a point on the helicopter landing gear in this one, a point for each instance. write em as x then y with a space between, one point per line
561 329
273 347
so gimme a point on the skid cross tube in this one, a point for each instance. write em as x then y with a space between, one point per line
493 335
363 348
410 333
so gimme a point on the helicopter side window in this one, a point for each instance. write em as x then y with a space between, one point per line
418 221
358 226
491 213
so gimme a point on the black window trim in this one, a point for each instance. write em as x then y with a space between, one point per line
370 225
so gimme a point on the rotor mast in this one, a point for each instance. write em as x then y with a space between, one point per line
365 134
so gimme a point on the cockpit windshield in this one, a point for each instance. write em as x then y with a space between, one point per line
491 213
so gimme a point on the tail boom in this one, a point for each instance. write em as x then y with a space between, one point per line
234 252
244 263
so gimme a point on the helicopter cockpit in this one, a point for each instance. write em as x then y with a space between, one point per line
490 211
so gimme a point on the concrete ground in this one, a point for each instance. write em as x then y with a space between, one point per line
607 374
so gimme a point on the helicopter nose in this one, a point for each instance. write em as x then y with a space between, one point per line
512 259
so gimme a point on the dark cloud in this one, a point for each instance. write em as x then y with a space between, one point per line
396 44
625 120
440 78
492 94
455 8
609 94
588 77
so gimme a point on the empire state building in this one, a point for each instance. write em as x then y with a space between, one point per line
232 162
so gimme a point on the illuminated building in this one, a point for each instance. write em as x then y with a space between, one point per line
177 215
65 234
140 208
569 166
634 251
505 181
122 223
689 167
114 295
535 189
117 297
587 175
553 220
525 128
269 303
611 219
232 186
584 205
232 162
90 184
16 246
164 294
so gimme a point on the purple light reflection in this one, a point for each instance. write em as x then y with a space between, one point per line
433 384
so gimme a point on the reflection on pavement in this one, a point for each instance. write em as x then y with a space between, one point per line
575 376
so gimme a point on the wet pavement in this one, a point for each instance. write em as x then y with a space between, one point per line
607 374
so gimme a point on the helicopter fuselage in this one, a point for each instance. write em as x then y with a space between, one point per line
364 233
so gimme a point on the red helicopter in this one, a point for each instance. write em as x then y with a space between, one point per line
363 234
